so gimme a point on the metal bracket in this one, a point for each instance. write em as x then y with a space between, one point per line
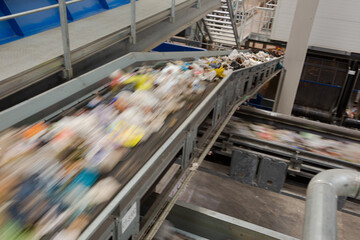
295 163
128 220
189 145
217 114
243 166
271 174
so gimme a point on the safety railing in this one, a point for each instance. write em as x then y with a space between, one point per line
255 19
64 29
68 73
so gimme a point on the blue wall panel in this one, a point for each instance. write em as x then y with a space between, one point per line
6 32
37 22
116 3
85 9
34 23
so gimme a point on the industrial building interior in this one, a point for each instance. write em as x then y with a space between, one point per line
179 119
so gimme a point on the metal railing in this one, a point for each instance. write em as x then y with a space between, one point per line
15 15
64 29
254 18
68 73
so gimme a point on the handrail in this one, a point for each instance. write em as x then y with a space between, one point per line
15 15
265 9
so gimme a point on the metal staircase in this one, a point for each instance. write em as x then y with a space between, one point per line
221 25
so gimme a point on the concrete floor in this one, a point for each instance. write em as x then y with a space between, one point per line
275 211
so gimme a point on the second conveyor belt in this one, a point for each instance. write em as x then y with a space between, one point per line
302 158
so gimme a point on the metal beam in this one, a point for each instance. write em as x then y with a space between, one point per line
206 30
214 225
172 15
68 73
295 55
133 22
233 24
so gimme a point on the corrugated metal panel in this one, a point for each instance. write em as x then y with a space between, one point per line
284 16
336 25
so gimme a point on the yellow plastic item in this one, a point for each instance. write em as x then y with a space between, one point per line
143 82
126 135
220 72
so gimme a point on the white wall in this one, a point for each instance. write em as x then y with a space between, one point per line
336 25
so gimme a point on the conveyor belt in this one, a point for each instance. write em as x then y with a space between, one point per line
145 163
308 162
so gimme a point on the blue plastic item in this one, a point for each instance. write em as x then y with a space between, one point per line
171 47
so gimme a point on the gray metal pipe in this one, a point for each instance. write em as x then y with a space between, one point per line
321 202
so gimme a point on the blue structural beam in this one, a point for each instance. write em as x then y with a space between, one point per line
24 26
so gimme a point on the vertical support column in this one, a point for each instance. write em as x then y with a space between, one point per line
198 4
133 23
295 54
348 89
188 149
260 21
68 73
172 17
207 30
252 19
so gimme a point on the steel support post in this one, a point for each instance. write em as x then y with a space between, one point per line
295 54
172 16
233 24
347 89
207 30
198 4
68 73
133 22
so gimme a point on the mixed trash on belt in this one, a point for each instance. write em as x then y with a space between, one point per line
53 175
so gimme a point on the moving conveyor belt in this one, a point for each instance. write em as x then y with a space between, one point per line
148 162
308 147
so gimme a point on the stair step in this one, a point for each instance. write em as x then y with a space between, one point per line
218 26
217 16
217 21
224 6
221 12
222 38
221 30
225 42
222 34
